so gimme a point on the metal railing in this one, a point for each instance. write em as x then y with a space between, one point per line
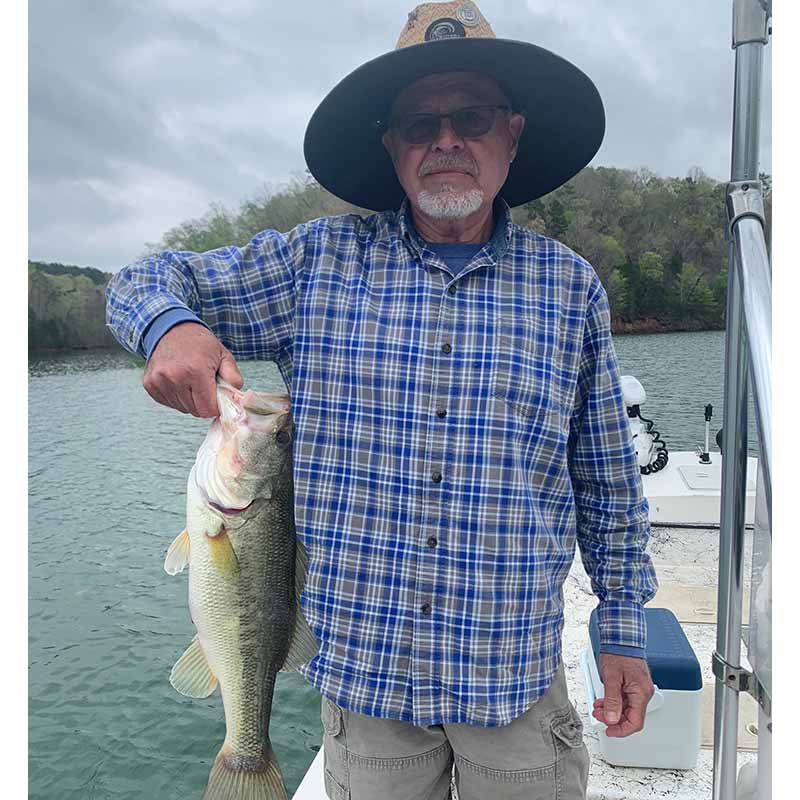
748 347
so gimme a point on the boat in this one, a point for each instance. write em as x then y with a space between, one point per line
683 487
711 518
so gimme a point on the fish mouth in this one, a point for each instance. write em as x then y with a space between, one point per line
265 404
229 511
259 411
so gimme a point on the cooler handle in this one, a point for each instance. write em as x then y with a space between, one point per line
656 701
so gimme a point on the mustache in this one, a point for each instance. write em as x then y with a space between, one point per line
445 161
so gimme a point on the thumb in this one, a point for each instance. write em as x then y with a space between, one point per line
228 370
612 702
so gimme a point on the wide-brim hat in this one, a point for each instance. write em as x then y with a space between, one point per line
564 126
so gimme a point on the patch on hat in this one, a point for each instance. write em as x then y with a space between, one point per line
467 15
445 28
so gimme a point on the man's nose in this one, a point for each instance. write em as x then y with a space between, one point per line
447 138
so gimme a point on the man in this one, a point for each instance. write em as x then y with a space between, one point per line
459 421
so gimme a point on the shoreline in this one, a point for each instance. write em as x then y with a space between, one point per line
655 325
618 328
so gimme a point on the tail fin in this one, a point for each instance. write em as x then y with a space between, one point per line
235 777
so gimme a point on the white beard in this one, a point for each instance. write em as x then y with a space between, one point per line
450 204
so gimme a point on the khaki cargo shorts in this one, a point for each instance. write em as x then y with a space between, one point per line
538 756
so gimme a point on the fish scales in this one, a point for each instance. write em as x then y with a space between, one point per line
246 572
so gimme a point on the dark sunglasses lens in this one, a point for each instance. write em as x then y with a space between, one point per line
468 122
473 122
418 128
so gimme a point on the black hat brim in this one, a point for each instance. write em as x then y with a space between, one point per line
564 127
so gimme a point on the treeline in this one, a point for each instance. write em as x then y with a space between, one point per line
54 268
658 244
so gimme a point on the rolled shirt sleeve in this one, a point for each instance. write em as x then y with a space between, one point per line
613 526
245 295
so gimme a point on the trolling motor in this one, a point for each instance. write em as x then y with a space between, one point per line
651 451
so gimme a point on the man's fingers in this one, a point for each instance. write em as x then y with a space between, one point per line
628 689
163 397
181 370
634 713
204 398
229 371
612 702
623 728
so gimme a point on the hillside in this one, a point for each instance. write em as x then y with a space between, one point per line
66 307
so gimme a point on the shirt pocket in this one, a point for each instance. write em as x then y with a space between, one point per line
527 373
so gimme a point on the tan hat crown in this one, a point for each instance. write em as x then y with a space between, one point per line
431 22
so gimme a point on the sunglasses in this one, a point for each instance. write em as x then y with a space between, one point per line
468 123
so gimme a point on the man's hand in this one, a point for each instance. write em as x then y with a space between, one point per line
628 689
181 371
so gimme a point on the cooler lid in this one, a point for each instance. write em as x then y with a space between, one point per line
672 662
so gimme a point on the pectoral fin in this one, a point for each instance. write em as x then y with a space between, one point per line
222 555
191 675
178 554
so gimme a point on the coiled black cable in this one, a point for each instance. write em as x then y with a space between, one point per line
663 454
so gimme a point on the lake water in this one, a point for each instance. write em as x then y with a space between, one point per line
107 474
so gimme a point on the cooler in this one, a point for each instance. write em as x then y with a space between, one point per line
671 735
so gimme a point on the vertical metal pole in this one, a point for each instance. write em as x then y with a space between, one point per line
749 37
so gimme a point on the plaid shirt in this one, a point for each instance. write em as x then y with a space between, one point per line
454 437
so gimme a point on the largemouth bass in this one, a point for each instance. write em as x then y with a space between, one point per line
246 573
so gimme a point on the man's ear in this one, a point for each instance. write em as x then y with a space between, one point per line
516 124
388 143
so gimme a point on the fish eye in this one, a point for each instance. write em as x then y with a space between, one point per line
283 438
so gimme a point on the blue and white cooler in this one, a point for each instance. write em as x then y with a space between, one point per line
671 735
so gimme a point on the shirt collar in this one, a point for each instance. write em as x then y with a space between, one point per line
498 244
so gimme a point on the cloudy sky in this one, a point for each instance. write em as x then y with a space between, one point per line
143 114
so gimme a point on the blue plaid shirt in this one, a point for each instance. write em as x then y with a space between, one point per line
455 436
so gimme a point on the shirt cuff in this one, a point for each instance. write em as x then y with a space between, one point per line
621 650
162 323
622 624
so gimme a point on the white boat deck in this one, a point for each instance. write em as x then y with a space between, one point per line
686 565
687 492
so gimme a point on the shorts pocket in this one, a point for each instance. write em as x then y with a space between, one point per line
334 746
572 757
567 730
331 717
334 789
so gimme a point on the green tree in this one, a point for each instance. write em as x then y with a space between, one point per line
648 288
216 228
556 219
694 295
618 295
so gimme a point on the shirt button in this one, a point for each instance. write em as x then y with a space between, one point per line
436 476
432 541
446 347
426 609
441 411
451 289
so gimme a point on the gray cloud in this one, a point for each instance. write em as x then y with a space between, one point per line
141 115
